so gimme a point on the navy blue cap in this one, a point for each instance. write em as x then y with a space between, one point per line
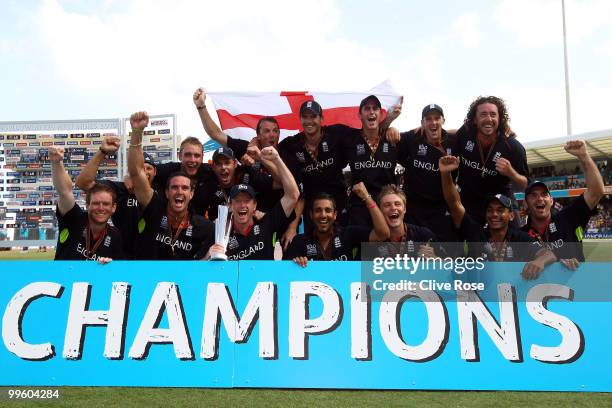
312 106
242 188
370 98
430 108
223 151
148 159
505 201
534 184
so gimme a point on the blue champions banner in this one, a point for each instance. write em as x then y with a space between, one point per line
275 324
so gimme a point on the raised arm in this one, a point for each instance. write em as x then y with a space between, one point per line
381 231
447 165
61 180
87 177
393 114
210 127
282 174
142 188
592 176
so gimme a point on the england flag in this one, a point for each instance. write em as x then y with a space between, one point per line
239 112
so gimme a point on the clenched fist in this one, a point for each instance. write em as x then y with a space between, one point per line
139 120
448 164
110 144
56 154
199 98
576 148
269 153
504 167
361 190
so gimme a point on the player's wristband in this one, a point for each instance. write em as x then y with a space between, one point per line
135 145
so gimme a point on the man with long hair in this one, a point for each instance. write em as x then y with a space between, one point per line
492 159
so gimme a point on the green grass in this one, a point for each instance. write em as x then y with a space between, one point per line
188 397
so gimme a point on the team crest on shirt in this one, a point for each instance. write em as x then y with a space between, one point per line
300 157
422 150
386 147
337 243
164 222
324 147
509 252
256 230
246 178
107 241
552 227
360 149
311 249
410 246
469 146
496 156
189 231
220 195
257 166
232 243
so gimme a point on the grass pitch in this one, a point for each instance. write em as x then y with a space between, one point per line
104 397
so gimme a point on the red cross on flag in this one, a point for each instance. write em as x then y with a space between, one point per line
239 112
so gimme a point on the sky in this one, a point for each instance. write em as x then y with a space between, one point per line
104 59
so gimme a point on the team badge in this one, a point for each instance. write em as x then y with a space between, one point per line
189 231
469 146
552 227
246 178
385 147
300 157
256 230
107 241
324 147
410 246
232 243
164 222
496 156
360 149
509 252
311 249
337 243
422 150
220 195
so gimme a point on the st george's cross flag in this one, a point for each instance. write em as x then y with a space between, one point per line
239 112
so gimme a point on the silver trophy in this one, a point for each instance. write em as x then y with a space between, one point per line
223 227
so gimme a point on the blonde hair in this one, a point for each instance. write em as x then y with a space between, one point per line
392 189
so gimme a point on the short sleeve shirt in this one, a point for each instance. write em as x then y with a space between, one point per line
257 243
563 235
375 169
126 215
72 240
157 240
478 177
422 183
322 174
344 241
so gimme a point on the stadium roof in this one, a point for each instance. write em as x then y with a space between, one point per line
550 151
